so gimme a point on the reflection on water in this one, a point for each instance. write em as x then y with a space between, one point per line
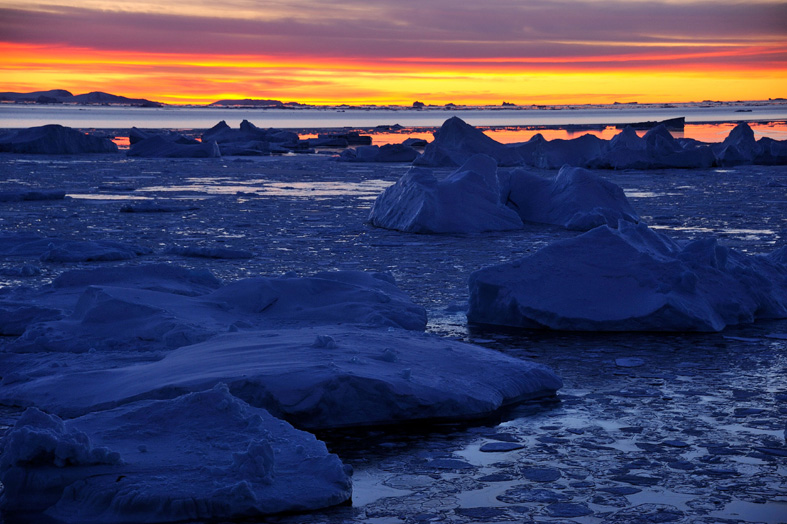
266 187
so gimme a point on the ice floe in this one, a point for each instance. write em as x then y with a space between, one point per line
169 146
206 455
319 377
149 309
630 279
467 201
54 139
61 250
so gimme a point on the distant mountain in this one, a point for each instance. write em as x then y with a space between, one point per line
61 96
247 102
35 95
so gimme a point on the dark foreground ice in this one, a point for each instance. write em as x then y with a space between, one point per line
647 428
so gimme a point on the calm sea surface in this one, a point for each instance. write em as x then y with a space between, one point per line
710 123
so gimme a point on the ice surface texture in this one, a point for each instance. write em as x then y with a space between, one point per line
322 377
54 139
148 308
576 199
474 199
630 279
200 456
467 201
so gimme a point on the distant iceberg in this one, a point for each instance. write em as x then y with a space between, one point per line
456 141
54 139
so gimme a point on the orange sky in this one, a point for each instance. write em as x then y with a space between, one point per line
395 52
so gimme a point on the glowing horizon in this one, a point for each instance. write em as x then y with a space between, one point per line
394 53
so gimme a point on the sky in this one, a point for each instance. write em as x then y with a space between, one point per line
399 51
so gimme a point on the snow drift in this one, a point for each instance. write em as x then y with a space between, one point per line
205 455
630 279
467 201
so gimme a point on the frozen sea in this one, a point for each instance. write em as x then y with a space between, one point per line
685 428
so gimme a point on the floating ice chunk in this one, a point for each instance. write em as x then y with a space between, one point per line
456 141
630 279
575 199
147 310
202 456
54 139
61 250
160 146
467 201
739 147
360 379
167 278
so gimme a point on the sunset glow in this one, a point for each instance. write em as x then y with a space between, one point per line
570 52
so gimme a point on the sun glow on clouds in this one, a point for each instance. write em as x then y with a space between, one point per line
568 51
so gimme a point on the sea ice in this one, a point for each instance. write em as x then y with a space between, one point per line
630 279
467 201
54 139
317 377
144 309
205 455
164 146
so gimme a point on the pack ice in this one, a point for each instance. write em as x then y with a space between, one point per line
174 379
630 279
456 141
